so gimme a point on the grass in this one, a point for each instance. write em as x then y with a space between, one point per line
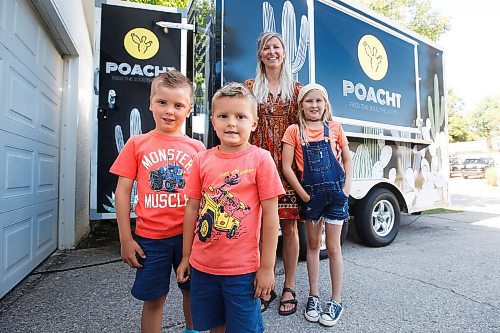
442 210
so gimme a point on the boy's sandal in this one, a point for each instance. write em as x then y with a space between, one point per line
289 301
265 303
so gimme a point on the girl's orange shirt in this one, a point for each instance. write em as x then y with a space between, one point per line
338 141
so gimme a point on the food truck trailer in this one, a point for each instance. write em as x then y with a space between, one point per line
385 84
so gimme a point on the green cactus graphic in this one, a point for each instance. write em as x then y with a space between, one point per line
436 112
135 129
436 116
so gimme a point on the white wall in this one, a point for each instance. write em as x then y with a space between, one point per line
69 21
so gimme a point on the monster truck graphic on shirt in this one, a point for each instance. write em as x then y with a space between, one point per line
167 178
221 211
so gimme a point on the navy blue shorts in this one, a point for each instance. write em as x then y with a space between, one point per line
225 299
152 281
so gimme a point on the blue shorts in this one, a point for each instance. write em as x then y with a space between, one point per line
225 299
330 204
152 281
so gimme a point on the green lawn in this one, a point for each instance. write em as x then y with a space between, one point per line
442 210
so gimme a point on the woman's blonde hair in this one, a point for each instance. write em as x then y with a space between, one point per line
261 85
327 115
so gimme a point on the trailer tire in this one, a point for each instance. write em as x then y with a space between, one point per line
322 253
377 218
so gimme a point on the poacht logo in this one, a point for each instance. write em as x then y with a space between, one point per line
373 60
141 43
372 57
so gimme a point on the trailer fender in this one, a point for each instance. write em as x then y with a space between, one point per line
361 187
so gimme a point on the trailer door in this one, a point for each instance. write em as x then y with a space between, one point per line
132 50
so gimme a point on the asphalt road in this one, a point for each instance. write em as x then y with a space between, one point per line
441 274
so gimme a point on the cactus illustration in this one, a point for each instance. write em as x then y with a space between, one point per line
296 52
142 43
372 156
375 59
135 129
268 23
436 116
436 111
362 162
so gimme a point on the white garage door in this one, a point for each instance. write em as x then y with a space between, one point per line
31 72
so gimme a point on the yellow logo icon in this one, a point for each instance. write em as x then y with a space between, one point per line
372 57
141 43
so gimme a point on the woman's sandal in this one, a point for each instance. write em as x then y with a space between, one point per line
290 301
266 303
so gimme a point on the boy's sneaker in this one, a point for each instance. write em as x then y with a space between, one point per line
313 309
332 313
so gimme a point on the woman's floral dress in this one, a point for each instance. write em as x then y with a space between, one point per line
274 118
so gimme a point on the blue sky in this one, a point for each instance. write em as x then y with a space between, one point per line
472 48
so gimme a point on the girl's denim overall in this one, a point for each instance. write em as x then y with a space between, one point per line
323 180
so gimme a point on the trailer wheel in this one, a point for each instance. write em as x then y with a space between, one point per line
377 218
322 253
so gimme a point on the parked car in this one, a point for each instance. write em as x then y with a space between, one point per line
476 166
456 165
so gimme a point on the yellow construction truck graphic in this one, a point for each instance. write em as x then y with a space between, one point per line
220 212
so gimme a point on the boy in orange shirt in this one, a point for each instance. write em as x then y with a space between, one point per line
233 193
160 161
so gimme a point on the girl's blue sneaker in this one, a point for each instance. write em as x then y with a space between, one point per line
187 330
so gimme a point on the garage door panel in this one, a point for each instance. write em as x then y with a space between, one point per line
49 119
19 172
17 242
29 175
25 37
20 107
52 64
45 231
26 31
27 237
46 174
3 14
29 107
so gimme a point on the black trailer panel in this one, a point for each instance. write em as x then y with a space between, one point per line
133 50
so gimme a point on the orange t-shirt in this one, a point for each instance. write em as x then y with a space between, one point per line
161 165
230 187
338 140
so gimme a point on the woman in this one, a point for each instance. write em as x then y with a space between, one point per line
277 95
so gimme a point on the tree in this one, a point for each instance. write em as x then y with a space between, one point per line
167 3
485 118
458 124
417 15
458 128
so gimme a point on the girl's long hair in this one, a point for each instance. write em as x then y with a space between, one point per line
327 116
261 85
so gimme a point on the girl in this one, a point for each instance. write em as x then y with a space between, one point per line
317 143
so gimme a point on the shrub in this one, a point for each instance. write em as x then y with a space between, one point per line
492 176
